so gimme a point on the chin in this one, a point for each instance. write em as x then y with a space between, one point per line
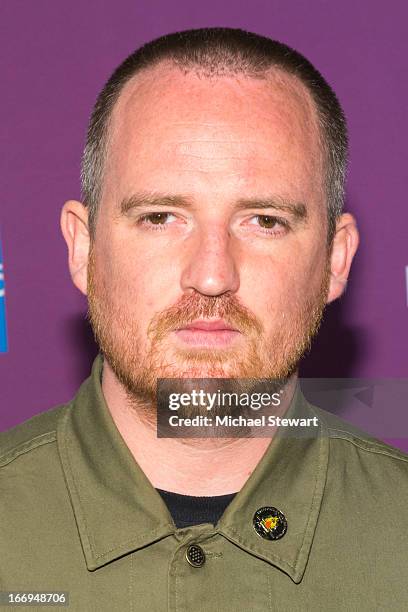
203 372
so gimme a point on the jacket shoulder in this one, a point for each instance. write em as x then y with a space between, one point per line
343 432
36 431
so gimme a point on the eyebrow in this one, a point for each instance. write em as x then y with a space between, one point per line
297 210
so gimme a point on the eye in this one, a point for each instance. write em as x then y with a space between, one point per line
270 224
156 220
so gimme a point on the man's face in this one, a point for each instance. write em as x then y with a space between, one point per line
212 211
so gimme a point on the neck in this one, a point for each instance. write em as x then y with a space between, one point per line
190 466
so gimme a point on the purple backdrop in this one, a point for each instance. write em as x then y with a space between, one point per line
54 58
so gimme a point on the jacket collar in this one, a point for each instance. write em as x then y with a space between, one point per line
117 509
291 477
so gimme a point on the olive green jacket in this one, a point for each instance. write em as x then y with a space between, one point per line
77 514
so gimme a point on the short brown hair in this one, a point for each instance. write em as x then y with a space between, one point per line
214 51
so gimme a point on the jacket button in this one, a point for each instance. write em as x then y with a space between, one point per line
195 555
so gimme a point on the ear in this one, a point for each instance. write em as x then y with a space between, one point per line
74 227
344 247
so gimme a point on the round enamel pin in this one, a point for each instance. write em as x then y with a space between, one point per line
270 523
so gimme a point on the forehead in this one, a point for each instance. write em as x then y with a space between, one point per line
169 121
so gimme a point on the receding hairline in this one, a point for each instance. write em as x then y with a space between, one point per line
274 74
163 68
215 52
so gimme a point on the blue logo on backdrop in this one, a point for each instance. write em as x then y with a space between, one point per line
3 330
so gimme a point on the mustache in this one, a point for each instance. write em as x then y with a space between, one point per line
196 306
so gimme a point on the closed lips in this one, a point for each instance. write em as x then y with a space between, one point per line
209 326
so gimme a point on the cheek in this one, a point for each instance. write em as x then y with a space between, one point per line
277 290
136 282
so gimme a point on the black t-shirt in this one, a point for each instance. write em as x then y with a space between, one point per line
190 510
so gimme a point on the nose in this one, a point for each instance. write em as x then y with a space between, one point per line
210 267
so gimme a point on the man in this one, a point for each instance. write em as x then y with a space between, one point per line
210 238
